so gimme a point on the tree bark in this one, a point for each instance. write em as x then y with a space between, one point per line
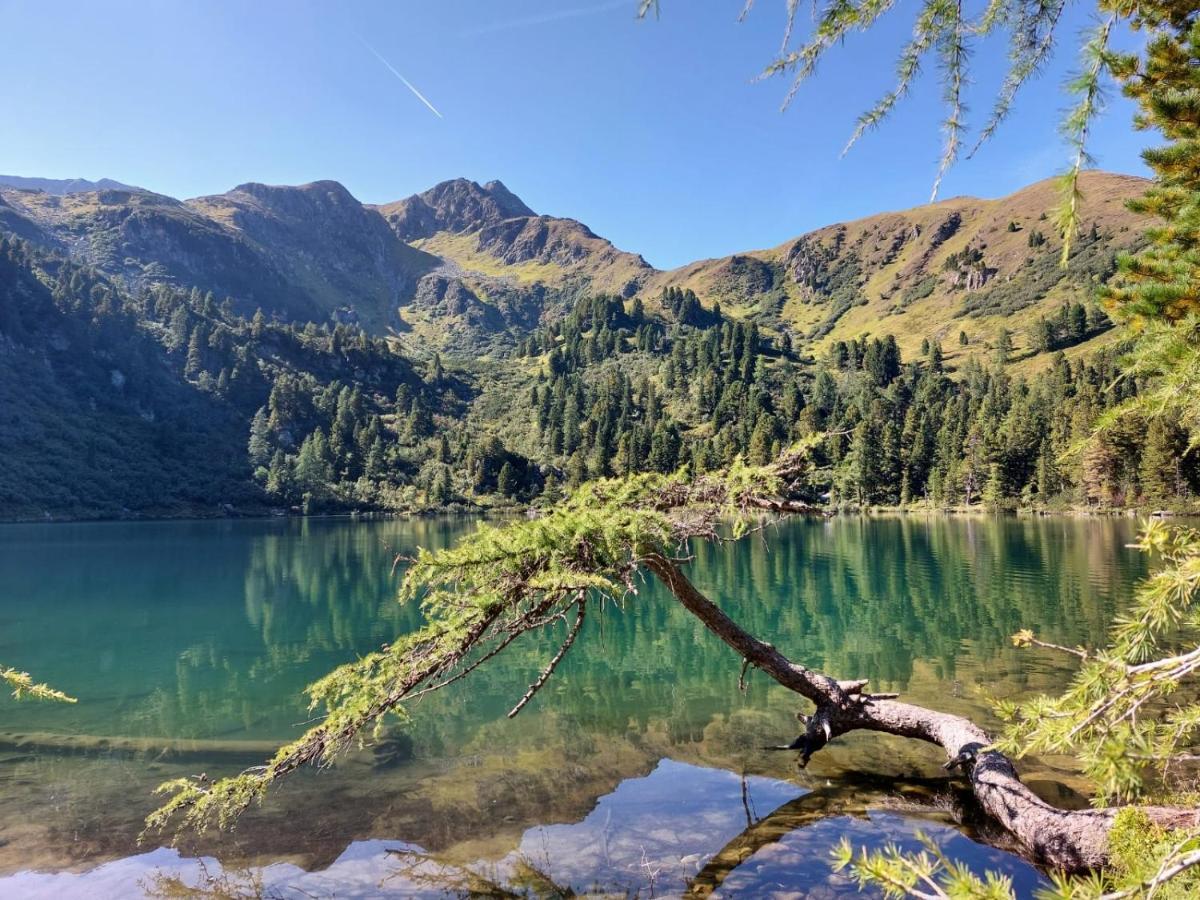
1071 840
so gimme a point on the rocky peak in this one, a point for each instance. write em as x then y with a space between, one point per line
506 200
458 206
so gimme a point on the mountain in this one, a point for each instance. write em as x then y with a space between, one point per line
326 246
461 267
901 343
62 186
306 253
506 269
456 206
960 265
471 268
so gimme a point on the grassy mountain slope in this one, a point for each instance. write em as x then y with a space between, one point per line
505 268
964 264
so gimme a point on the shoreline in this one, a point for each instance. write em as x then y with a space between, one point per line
259 513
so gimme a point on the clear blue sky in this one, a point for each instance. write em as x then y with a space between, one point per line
654 133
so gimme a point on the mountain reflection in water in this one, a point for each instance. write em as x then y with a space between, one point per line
188 645
682 830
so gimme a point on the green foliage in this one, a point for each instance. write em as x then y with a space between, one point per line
926 874
1123 715
1166 362
1160 282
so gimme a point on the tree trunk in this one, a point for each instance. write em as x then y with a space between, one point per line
1071 840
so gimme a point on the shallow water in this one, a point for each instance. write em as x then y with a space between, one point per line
638 770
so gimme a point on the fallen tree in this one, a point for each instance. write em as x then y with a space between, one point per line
503 582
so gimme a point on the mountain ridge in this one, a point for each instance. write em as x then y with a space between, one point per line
471 268
63 185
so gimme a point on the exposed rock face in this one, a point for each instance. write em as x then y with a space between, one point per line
536 239
506 229
946 229
448 296
808 262
462 221
971 278
456 206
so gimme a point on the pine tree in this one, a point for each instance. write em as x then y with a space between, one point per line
1160 281
177 331
279 481
259 446
1160 467
506 481
994 492
440 492
1041 336
1004 347
195 354
313 471
551 490
759 451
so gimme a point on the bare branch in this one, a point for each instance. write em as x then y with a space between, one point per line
553 664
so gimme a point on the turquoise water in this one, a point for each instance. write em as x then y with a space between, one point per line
638 770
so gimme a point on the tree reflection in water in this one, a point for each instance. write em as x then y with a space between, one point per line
681 830
188 645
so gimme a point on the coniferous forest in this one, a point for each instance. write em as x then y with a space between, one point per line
265 414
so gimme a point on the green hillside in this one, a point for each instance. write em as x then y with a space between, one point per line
942 354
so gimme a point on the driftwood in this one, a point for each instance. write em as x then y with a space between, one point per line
1070 840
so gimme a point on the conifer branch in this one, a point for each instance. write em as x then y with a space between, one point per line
1088 85
23 686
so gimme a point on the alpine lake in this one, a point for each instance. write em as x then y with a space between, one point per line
638 771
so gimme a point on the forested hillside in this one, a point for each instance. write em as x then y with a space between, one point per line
128 387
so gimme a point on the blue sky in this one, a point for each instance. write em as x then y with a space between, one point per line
654 133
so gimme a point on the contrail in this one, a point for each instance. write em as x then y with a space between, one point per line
408 84
546 18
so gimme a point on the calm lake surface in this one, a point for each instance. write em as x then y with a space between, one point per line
636 772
